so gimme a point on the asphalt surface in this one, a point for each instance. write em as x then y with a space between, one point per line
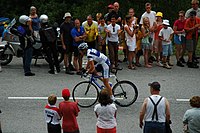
26 116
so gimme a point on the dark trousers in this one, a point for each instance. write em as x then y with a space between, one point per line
53 128
52 55
154 127
27 58
113 53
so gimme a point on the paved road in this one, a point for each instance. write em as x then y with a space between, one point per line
26 116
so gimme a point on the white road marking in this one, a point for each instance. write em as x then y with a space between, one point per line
45 98
183 100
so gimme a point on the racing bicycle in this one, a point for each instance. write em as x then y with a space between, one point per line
87 92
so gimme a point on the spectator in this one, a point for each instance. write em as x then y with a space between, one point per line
26 42
195 7
106 113
146 46
155 111
91 30
157 43
166 34
130 32
69 111
115 12
67 42
102 35
48 36
179 38
79 36
191 27
0 55
35 22
113 30
131 12
98 16
139 51
52 115
191 118
152 26
110 8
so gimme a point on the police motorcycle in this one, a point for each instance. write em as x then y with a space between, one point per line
10 46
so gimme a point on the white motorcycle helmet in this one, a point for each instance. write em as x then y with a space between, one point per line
43 18
23 19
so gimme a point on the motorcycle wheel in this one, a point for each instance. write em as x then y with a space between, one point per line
5 58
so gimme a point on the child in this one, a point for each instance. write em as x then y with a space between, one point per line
69 111
166 34
52 115
102 35
146 44
106 113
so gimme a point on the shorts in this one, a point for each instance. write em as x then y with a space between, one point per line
131 46
190 45
179 39
157 46
53 128
76 51
111 130
104 68
167 50
146 46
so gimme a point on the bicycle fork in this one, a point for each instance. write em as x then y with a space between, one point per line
123 93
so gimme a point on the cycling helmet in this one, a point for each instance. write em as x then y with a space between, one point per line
83 46
43 18
23 19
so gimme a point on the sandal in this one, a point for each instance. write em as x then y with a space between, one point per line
131 67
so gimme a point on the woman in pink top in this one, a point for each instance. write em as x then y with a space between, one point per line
69 111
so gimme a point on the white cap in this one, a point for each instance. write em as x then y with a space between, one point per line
67 14
166 22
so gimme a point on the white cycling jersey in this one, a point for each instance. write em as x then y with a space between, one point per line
100 58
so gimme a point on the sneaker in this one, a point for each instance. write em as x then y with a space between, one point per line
29 74
179 64
166 66
182 60
192 65
69 72
71 67
79 73
51 72
159 64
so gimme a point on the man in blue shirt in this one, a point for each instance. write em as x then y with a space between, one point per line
78 35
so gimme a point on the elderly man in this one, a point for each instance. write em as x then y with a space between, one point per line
115 12
155 111
91 29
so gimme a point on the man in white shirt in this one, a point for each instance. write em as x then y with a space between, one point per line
155 111
113 31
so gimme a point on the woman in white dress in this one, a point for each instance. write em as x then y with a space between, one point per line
130 32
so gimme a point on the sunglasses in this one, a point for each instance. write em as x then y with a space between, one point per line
113 29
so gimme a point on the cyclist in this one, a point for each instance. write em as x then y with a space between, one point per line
102 65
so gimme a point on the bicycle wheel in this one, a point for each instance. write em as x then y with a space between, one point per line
125 93
86 93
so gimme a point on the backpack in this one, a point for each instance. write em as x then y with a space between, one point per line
49 34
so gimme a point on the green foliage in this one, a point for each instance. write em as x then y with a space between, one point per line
55 9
